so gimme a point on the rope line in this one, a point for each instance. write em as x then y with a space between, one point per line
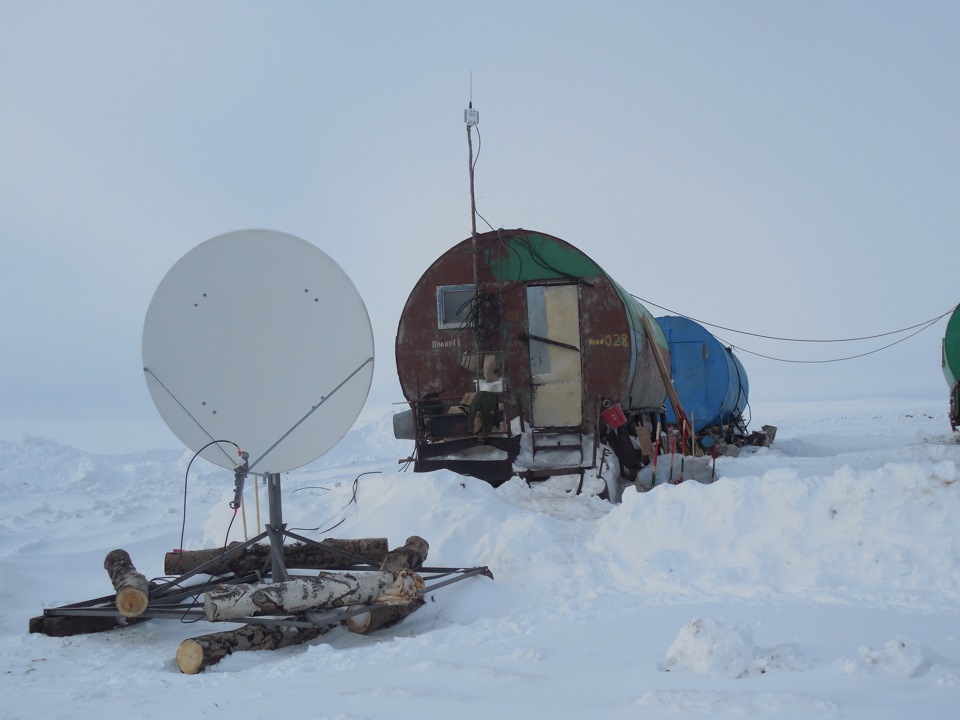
831 360
922 325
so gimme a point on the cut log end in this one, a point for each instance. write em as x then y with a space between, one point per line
132 602
382 616
359 623
190 657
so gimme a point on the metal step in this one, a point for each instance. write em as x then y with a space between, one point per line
552 439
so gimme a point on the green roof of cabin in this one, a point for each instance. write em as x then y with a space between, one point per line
526 256
951 349
532 256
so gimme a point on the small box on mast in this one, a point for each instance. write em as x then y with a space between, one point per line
471 117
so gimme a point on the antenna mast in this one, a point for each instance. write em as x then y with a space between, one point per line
471 117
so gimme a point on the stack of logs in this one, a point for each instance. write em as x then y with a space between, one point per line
394 592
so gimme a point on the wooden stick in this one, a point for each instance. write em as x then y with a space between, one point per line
243 509
693 436
673 450
656 453
256 499
683 447
665 375
662 366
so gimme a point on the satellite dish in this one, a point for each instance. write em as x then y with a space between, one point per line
258 338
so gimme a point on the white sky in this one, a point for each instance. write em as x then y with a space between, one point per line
786 168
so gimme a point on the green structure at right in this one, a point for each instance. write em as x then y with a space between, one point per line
951 364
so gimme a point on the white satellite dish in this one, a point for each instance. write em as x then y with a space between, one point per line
258 338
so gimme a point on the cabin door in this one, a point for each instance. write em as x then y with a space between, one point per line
553 329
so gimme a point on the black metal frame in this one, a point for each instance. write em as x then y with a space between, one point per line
174 600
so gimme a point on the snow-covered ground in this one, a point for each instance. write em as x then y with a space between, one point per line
816 578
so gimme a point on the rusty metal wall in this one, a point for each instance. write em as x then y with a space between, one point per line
617 362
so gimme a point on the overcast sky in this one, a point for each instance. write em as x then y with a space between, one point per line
784 168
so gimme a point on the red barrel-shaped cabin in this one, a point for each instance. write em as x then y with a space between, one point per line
512 348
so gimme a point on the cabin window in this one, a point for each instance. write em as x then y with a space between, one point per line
453 306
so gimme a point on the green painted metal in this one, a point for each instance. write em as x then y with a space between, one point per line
533 256
951 349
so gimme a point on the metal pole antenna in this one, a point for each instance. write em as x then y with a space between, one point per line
471 117
473 201
476 284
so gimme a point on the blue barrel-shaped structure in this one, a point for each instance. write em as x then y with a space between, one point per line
710 381
951 365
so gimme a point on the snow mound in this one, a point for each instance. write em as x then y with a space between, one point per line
902 657
711 647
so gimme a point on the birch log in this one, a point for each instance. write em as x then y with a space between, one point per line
133 590
395 582
196 654
299 555
326 590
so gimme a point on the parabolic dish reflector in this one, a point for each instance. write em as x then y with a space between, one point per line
257 337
